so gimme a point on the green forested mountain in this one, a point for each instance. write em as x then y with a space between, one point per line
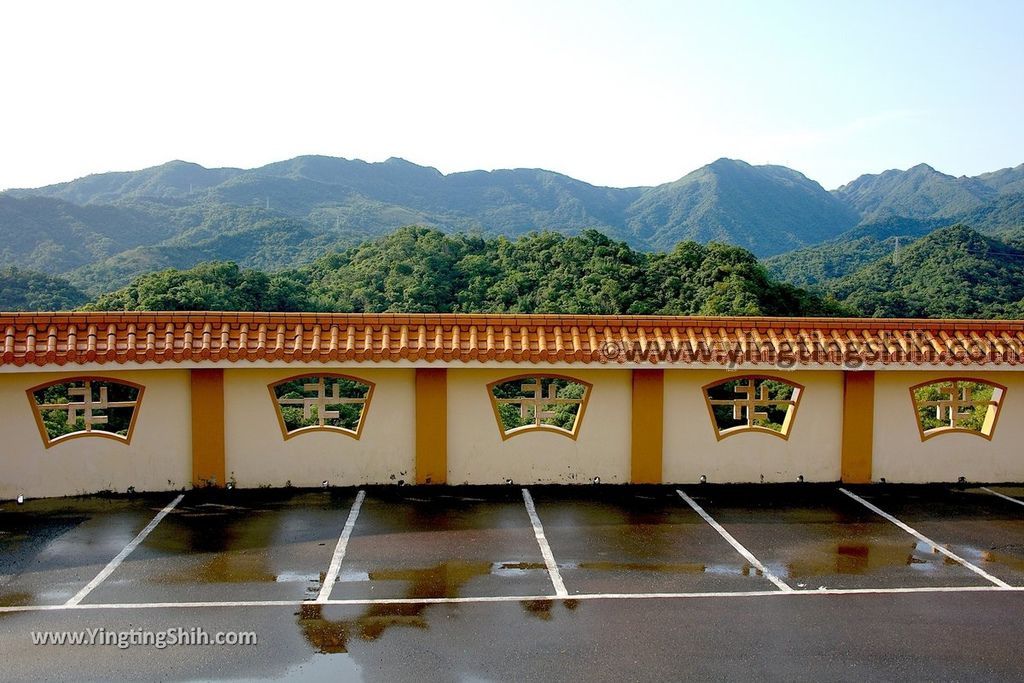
953 272
1005 180
849 251
949 272
1002 219
918 192
766 209
175 180
104 229
56 236
316 218
425 270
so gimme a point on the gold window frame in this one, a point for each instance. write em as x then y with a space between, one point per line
787 424
525 429
988 428
37 413
355 434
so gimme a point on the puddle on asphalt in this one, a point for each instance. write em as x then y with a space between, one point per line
544 609
443 580
446 513
236 541
440 581
224 568
1009 556
516 568
863 557
16 599
657 567
201 529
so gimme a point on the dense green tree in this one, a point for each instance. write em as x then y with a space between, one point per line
208 286
420 269
954 272
25 290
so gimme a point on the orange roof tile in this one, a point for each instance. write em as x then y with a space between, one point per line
46 339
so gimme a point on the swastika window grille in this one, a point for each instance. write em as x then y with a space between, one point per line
752 404
85 406
322 402
957 405
539 403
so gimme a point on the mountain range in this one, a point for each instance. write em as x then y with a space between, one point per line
101 231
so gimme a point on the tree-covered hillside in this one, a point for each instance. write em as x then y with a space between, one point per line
102 230
766 209
954 272
318 233
25 290
850 251
424 270
918 192
950 272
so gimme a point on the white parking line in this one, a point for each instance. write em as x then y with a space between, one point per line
1004 497
747 555
508 598
921 537
545 549
339 550
125 552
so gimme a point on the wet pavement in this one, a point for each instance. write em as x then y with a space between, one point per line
638 540
256 545
475 594
815 537
51 548
434 543
983 529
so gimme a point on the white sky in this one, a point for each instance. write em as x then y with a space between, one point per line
630 93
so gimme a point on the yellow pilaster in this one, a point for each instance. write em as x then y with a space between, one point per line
648 426
858 425
207 399
431 425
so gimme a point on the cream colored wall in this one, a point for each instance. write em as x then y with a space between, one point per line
256 453
158 457
478 455
812 450
901 456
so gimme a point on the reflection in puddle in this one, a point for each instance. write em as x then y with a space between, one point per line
857 557
224 568
440 581
659 567
237 540
15 599
332 637
1006 555
543 609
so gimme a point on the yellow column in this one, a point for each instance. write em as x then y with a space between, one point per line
858 425
431 425
648 426
208 427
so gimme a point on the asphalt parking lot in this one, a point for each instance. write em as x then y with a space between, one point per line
794 582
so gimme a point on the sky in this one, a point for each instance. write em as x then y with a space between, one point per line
620 94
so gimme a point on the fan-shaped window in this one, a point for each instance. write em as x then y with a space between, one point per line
323 402
957 404
539 402
752 404
85 406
